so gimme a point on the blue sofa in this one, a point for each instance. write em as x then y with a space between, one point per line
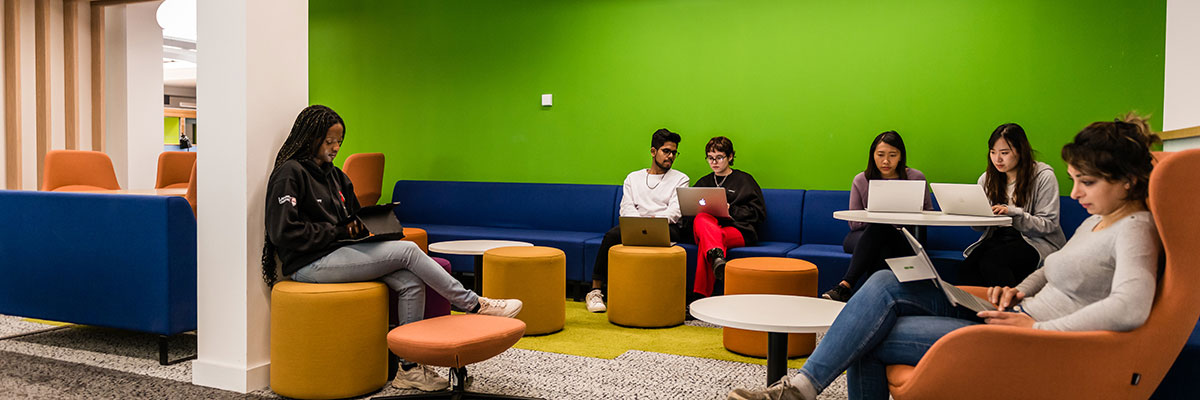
118 261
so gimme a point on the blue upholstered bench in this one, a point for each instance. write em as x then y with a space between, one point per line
117 261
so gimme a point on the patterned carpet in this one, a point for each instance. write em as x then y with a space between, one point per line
89 363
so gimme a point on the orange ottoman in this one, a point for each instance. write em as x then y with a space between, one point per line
418 236
769 275
455 341
537 276
646 286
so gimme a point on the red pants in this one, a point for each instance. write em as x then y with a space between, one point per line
709 235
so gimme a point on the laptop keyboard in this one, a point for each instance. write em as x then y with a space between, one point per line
966 299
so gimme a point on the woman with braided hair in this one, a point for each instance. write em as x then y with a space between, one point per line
306 198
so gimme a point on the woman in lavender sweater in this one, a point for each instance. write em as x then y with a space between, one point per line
870 244
1102 279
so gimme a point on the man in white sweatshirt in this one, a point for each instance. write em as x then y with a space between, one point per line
648 192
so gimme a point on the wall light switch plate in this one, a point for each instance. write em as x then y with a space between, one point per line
547 100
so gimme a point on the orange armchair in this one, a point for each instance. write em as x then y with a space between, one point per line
366 172
999 362
190 195
173 168
78 171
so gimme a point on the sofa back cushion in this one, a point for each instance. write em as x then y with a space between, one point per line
1070 215
784 210
818 225
567 207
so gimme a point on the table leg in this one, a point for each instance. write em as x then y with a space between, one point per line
479 275
776 356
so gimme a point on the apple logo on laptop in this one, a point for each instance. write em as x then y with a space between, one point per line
703 203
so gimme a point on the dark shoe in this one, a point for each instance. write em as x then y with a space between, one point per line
839 293
716 258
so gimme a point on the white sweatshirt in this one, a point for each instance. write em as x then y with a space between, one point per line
649 195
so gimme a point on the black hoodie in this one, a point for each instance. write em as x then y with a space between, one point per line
304 204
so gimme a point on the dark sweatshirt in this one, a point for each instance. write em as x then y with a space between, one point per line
745 198
304 202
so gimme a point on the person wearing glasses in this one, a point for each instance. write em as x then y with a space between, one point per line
715 236
648 192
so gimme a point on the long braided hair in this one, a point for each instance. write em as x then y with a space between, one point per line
311 126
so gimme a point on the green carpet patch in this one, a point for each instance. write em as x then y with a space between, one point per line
591 335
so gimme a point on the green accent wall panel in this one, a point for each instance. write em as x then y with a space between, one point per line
450 90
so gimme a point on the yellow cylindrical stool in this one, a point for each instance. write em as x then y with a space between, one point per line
769 275
535 275
418 236
646 286
329 340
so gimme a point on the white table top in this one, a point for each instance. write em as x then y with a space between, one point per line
925 218
473 247
768 312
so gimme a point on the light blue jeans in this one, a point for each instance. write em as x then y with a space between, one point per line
886 322
399 264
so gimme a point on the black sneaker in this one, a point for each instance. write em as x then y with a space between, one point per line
716 258
839 293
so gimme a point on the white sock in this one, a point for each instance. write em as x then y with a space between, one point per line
806 387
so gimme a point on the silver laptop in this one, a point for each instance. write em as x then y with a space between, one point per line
895 196
710 200
645 231
962 199
919 267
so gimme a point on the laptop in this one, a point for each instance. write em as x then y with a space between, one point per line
380 221
895 196
709 200
919 267
645 231
962 199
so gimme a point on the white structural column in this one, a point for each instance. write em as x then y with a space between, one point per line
252 81
1181 83
133 100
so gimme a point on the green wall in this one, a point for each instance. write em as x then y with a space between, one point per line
171 130
450 90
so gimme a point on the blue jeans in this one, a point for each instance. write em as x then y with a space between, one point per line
399 264
886 322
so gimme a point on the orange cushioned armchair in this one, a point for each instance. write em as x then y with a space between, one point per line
366 172
1001 362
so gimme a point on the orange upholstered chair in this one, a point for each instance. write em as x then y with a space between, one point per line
1001 362
78 171
454 341
366 172
173 168
191 189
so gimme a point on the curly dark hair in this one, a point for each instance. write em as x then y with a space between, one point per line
721 144
1116 150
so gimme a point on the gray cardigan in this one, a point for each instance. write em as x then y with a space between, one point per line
1039 224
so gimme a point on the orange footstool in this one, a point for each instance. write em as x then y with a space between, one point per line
769 275
454 341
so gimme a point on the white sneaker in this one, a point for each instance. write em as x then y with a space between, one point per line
595 301
421 378
501 308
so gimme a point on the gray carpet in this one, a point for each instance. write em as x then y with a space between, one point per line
89 362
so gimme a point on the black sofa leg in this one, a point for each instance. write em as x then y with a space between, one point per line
163 341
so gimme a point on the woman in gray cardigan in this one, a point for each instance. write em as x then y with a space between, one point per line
1026 190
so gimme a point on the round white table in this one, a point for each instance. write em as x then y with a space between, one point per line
474 248
925 218
778 315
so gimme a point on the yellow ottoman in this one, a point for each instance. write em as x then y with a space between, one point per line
328 340
769 275
535 275
418 236
646 286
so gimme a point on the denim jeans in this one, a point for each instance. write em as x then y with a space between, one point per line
886 322
399 264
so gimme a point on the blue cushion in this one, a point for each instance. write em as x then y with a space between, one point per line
1071 214
534 206
127 262
818 225
832 263
762 249
571 243
784 209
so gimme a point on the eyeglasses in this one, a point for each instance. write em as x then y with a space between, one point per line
669 152
716 159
